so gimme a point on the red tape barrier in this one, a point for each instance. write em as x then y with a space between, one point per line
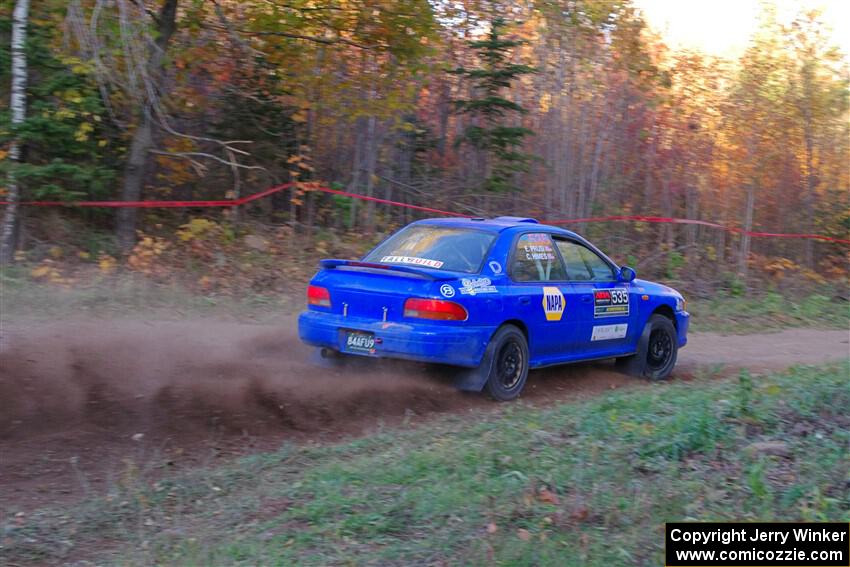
278 188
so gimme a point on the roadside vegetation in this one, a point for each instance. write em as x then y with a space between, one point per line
767 311
259 278
587 483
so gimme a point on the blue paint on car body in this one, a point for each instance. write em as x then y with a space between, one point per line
571 301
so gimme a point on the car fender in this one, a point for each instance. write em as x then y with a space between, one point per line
659 295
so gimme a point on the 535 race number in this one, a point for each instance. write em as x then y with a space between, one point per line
610 302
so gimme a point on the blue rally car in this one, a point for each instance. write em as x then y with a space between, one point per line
497 297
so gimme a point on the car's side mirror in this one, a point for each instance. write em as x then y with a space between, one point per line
627 274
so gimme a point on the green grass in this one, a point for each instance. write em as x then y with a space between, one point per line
760 312
619 466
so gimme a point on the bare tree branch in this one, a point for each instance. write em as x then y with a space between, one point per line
231 33
315 39
190 155
147 10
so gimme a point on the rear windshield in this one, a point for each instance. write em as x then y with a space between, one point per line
435 247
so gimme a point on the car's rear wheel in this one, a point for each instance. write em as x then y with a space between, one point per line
507 357
658 349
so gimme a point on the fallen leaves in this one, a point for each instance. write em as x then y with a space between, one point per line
579 513
547 496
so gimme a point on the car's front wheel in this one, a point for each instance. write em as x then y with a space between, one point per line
658 349
507 357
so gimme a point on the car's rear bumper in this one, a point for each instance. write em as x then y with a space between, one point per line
682 320
425 342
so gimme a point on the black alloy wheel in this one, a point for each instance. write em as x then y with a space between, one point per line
506 360
657 350
509 364
660 349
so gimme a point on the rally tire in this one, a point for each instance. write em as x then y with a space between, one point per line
658 349
507 358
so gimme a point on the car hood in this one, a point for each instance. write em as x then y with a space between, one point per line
654 288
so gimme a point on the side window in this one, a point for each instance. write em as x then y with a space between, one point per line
576 268
535 260
583 264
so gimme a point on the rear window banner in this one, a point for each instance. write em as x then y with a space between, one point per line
610 303
411 260
436 247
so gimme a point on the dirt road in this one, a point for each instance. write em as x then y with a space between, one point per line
82 401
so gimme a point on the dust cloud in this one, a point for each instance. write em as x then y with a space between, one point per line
167 376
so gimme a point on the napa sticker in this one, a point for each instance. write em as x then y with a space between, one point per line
553 303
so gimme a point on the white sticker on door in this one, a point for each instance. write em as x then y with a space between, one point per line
609 332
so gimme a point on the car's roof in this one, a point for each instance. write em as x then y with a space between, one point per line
497 224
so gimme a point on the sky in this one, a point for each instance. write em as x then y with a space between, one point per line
723 27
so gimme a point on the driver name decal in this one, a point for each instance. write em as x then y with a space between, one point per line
610 302
553 303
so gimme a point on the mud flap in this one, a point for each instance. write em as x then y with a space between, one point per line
638 367
474 379
635 364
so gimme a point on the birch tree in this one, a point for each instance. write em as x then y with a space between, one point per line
18 105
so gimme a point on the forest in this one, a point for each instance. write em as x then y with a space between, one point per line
173 171
555 109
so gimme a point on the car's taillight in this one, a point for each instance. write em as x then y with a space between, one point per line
319 296
436 309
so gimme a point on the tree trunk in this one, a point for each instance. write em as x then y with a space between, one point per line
18 105
371 157
811 181
134 176
355 174
748 226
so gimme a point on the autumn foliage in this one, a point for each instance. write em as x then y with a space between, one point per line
374 98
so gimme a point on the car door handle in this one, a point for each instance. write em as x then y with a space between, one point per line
525 300
587 298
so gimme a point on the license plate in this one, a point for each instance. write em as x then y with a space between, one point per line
356 341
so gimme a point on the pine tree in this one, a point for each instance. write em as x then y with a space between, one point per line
499 142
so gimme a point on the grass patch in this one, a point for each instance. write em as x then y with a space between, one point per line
128 294
760 312
587 483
